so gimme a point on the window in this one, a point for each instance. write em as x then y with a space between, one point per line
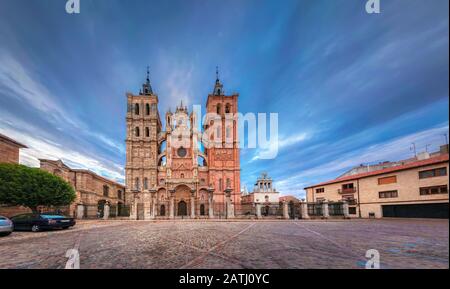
320 200
266 198
320 190
145 183
147 132
136 132
436 190
136 184
136 109
347 186
387 180
147 109
388 194
228 183
105 191
182 176
228 108
182 152
220 185
352 210
218 107
119 194
433 173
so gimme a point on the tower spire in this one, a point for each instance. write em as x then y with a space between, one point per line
147 88
218 87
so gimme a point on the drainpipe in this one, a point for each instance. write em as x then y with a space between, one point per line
359 199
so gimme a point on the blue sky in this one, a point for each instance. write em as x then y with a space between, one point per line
349 87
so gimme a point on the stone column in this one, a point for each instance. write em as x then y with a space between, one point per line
193 204
325 211
305 215
210 203
134 206
80 211
285 210
147 206
172 204
229 205
258 211
153 209
106 212
345 209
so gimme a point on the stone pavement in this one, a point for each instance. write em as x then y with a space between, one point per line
238 244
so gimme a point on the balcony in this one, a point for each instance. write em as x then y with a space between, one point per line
347 191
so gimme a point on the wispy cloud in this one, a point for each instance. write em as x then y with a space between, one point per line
385 151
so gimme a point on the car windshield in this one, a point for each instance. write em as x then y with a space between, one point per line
52 217
2 218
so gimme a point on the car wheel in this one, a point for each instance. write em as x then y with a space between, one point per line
35 228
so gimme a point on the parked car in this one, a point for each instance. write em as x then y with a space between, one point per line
39 222
6 226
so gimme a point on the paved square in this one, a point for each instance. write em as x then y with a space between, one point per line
239 244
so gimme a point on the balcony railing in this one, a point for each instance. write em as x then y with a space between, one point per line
347 191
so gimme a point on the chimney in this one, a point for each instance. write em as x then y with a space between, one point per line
423 156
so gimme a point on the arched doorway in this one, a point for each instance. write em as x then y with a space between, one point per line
202 210
101 208
266 211
182 208
162 210
291 210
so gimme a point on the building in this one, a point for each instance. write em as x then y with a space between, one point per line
9 150
168 173
263 192
93 191
416 188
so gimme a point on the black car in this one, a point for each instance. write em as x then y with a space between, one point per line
39 222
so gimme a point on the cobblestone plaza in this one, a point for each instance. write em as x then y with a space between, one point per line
233 245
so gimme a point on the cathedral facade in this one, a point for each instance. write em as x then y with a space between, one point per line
184 169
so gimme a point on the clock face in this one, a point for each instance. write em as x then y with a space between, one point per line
182 152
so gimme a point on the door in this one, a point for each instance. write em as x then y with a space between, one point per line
202 210
162 211
437 211
182 208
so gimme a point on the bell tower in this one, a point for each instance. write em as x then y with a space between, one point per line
223 149
143 129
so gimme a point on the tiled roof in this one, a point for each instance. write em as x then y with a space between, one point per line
410 165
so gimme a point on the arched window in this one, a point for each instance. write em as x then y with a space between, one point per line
228 108
136 184
136 109
145 183
136 132
228 183
220 185
228 132
147 109
182 176
147 132
105 191
218 108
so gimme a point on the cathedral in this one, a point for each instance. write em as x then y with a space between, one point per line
172 169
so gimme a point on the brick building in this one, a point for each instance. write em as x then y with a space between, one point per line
416 188
93 191
9 150
181 170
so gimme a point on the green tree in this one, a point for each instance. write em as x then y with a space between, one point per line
33 187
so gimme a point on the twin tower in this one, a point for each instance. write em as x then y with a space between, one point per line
173 173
